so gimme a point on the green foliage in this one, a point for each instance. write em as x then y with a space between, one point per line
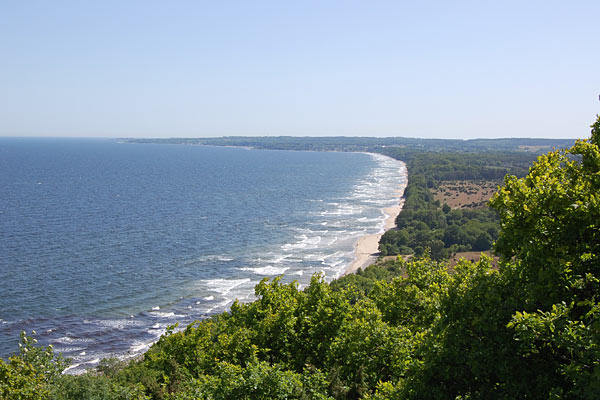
382 352
364 280
469 351
550 223
31 373
398 146
446 208
257 380
570 346
595 132
423 224
550 243
445 165
95 387
284 327
356 338
403 329
412 301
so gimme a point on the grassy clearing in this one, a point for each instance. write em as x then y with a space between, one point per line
461 194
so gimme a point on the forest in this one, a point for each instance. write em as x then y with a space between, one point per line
424 223
372 144
402 329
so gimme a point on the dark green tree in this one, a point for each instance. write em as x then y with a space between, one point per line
550 244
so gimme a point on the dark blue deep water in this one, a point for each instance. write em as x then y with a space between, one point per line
104 244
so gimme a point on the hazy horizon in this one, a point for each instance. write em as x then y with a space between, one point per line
274 136
151 69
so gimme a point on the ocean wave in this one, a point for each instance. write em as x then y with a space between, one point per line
70 340
209 257
224 286
67 349
165 314
268 270
139 347
319 240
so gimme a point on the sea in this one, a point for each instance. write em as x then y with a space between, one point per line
104 244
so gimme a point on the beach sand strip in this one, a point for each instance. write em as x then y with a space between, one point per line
367 247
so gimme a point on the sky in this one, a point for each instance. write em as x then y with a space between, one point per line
429 69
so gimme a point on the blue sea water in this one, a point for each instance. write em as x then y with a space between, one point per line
104 244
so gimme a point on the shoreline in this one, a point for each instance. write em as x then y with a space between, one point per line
366 249
362 253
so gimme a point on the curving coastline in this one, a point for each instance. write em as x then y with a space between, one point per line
366 248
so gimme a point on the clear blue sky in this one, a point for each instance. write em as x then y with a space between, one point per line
306 68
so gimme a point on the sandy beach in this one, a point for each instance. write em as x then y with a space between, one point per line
367 247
